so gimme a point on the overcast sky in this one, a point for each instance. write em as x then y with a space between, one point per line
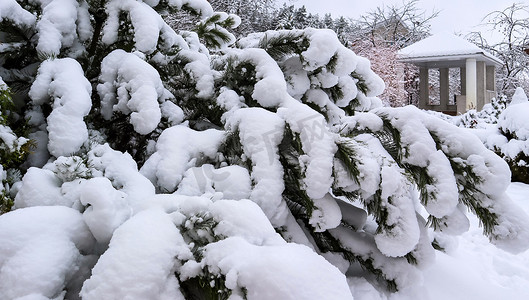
456 16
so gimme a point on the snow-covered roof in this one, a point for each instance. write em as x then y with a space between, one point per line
445 48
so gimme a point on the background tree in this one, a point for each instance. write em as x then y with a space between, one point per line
256 15
511 26
290 17
396 75
285 17
389 28
399 25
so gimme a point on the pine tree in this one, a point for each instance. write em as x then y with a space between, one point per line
187 165
256 15
328 21
285 17
14 148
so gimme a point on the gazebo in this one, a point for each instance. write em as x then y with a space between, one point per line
444 51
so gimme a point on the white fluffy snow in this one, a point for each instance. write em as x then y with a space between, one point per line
130 85
106 208
62 82
57 25
40 250
147 24
513 120
176 151
40 187
420 150
402 234
318 144
200 6
260 132
443 44
270 89
327 214
518 97
121 169
224 220
263 271
232 181
140 261
334 64
12 11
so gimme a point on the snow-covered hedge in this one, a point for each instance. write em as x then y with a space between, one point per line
507 133
263 168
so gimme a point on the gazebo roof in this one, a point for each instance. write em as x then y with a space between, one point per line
445 50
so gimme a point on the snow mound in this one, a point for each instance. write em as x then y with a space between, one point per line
153 258
40 250
262 271
519 96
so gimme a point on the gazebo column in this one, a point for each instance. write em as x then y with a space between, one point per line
480 85
471 84
444 89
491 81
424 95
463 80
461 99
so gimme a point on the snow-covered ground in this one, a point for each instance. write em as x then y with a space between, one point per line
471 269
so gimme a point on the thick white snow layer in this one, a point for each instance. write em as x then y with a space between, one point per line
40 250
260 132
243 219
12 11
106 208
420 150
443 44
200 6
514 118
176 151
270 89
121 169
327 214
40 187
403 233
147 24
57 25
466 149
318 143
130 85
275 271
140 261
62 82
232 181
519 96
40 246
325 63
